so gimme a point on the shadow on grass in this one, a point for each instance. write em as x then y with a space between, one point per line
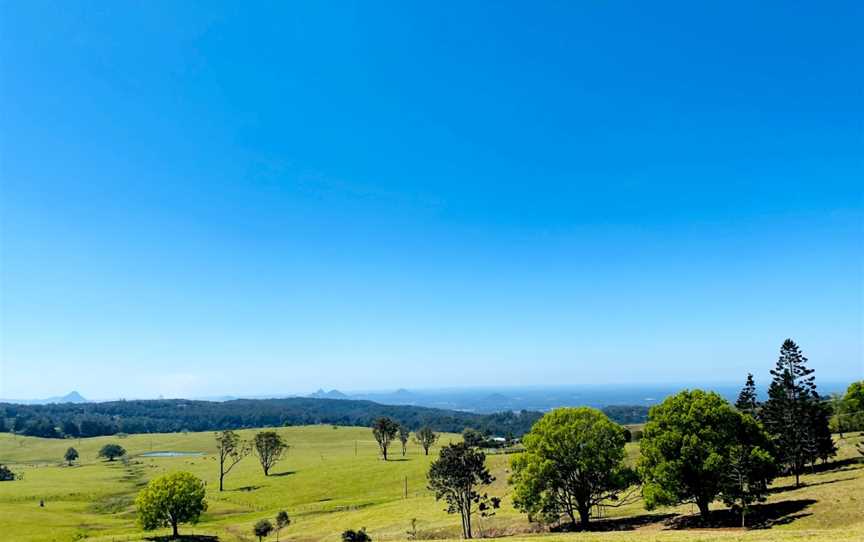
616 524
185 538
762 516
286 473
790 487
248 488
832 466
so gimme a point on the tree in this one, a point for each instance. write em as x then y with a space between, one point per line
356 536
685 445
792 414
6 474
70 455
748 401
473 438
426 437
384 430
852 410
820 444
282 521
455 477
269 448
112 451
169 500
262 528
750 467
403 438
231 450
573 462
838 419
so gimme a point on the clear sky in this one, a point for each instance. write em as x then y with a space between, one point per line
256 198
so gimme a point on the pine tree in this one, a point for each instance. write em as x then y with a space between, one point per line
747 401
793 413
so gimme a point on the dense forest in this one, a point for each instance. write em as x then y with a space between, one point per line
164 416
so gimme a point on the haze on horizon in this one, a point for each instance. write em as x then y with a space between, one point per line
201 200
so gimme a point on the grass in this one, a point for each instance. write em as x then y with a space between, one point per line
332 480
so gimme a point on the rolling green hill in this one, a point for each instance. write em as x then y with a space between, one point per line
332 479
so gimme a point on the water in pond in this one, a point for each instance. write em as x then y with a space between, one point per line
171 454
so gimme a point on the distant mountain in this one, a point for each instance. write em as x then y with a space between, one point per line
71 397
332 394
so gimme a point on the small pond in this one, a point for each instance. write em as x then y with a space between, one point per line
171 454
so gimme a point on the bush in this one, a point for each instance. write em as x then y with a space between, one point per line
356 536
6 474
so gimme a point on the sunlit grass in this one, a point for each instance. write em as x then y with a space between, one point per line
332 480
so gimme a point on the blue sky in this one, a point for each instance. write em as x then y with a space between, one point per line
205 198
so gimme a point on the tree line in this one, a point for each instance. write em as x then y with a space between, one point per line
696 448
73 420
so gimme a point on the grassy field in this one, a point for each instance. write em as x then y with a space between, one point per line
332 479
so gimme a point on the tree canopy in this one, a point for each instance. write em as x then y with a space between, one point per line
426 437
456 476
262 528
573 462
231 449
269 447
169 500
685 446
384 430
70 455
794 414
112 451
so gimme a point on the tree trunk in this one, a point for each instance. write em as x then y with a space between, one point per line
584 516
384 449
703 509
797 479
174 528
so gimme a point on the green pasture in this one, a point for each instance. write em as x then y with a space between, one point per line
333 479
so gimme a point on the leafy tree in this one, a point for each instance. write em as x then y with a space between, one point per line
171 499
455 477
748 401
403 438
792 414
750 467
852 410
839 422
112 451
426 437
473 438
573 462
269 448
262 528
231 450
384 430
685 446
282 521
356 536
6 474
70 455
